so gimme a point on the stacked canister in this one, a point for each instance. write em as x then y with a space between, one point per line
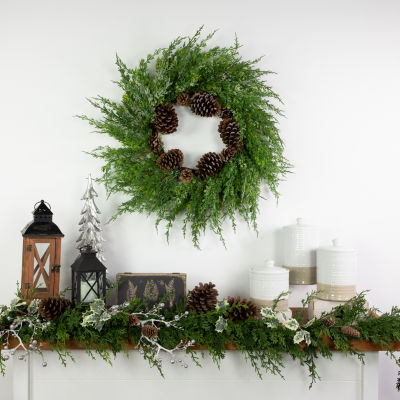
332 268
337 272
267 283
300 244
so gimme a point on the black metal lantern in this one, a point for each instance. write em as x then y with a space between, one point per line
88 277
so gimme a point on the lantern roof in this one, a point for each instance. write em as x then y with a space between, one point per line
87 261
42 224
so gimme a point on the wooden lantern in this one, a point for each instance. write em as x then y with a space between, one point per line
41 254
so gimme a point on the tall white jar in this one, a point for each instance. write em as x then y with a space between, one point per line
300 244
267 283
336 272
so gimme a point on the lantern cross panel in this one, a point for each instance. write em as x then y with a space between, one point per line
92 285
42 262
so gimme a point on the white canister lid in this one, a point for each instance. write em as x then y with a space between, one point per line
337 247
269 268
300 223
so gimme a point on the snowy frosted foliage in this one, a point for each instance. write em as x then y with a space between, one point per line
90 230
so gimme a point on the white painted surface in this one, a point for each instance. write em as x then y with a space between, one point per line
132 376
338 73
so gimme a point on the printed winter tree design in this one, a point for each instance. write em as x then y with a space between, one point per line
90 230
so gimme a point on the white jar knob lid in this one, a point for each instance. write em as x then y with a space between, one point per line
336 242
269 263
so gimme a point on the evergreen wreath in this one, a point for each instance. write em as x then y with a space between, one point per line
212 82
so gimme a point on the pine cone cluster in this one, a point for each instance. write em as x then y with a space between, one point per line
225 113
204 104
243 309
133 320
155 143
149 331
51 308
171 160
202 298
209 164
166 119
350 331
229 132
183 99
186 175
329 321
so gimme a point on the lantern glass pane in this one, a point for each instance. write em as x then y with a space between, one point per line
41 263
89 287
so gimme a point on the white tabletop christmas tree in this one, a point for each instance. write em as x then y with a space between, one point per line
90 230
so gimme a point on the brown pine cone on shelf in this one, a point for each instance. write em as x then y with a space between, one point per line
172 159
225 113
204 104
149 331
243 309
51 308
350 331
329 321
228 153
183 99
155 143
229 132
186 175
133 320
209 164
166 119
202 298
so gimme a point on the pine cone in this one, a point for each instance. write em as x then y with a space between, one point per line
183 99
166 119
51 308
228 153
204 104
243 309
209 164
229 132
171 160
155 143
186 175
2 327
329 321
202 298
149 331
350 331
225 113
133 320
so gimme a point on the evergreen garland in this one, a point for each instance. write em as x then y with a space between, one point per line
263 341
187 66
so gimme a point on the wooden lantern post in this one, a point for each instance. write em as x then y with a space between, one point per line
41 254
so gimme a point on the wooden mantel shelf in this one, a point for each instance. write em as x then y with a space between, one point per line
359 345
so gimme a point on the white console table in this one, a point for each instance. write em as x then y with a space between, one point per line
343 378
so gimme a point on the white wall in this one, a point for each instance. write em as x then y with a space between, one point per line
338 68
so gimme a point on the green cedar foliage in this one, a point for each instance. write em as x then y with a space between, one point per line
262 347
187 65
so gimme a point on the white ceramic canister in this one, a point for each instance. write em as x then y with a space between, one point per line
336 272
300 245
267 283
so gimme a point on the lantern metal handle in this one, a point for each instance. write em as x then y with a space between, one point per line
88 248
45 202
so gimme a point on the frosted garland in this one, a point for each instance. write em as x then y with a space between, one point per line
30 318
90 223
152 344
